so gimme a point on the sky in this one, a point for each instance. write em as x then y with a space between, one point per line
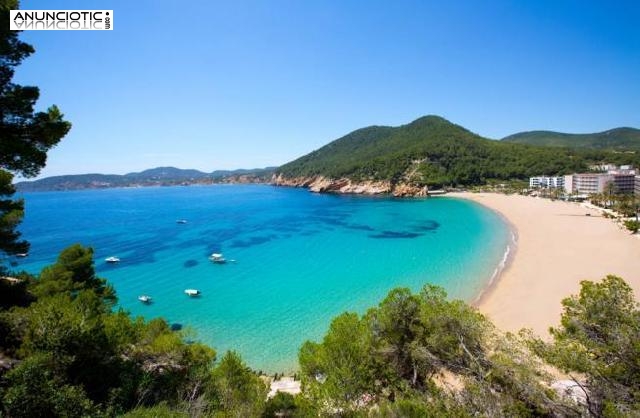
245 84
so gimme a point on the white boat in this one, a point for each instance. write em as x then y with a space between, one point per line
144 299
217 258
112 260
181 221
22 255
192 292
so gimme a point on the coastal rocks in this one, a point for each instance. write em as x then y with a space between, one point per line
280 180
406 190
369 187
320 184
346 186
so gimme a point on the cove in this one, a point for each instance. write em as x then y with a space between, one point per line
296 259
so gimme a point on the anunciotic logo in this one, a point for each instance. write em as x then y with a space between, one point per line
61 19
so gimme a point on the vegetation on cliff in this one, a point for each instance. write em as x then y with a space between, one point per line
434 152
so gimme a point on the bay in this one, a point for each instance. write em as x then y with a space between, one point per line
297 259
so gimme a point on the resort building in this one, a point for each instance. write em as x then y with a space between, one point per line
544 182
625 183
590 183
637 185
587 183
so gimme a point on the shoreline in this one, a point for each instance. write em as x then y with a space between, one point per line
556 247
503 266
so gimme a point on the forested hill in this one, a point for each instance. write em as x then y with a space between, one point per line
160 176
620 139
434 152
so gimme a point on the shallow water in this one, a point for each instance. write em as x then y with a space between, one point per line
299 258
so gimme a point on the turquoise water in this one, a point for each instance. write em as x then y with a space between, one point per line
300 258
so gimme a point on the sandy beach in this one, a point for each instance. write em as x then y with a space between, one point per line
557 247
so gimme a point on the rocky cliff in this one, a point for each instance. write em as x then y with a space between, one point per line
320 184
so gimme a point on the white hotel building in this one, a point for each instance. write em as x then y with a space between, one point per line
625 179
544 182
590 183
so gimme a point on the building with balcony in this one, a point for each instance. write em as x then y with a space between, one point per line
544 182
625 183
591 183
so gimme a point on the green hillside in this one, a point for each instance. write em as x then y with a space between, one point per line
434 152
620 139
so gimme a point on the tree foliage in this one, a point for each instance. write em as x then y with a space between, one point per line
599 337
282 404
73 272
36 390
25 134
238 390
399 354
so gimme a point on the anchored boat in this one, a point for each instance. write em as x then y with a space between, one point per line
217 258
192 292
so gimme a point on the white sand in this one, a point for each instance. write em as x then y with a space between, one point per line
285 384
557 247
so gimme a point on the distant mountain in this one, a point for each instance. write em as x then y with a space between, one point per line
167 173
160 176
429 151
71 182
620 139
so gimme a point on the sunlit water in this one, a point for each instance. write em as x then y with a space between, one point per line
299 258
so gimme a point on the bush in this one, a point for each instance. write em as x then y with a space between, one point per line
632 226
281 405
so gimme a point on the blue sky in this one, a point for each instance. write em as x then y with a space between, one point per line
221 85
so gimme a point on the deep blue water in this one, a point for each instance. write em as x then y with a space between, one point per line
300 258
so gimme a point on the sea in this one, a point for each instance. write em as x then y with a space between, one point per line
295 259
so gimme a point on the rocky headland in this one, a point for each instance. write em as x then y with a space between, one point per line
321 184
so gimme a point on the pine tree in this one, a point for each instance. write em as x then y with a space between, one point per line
25 135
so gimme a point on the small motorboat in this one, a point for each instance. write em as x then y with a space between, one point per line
192 292
144 299
217 258
181 221
112 260
22 255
